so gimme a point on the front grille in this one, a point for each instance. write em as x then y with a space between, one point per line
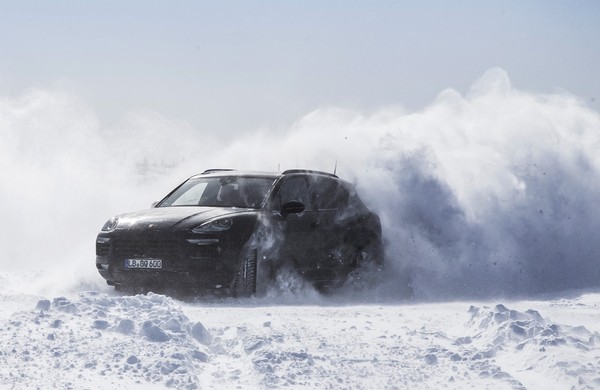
147 248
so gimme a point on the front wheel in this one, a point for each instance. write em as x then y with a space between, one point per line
244 284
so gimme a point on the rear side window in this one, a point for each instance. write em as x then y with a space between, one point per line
328 194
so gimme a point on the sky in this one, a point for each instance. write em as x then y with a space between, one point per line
237 66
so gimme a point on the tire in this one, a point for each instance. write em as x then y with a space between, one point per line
368 267
245 280
358 262
370 255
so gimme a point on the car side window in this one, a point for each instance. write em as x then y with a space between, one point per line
317 193
294 188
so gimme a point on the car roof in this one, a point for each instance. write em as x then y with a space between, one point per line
220 172
233 172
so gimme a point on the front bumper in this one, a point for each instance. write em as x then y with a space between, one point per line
198 261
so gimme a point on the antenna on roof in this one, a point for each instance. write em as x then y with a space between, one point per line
278 167
335 168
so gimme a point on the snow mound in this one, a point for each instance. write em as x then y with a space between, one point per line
103 340
99 341
503 334
500 327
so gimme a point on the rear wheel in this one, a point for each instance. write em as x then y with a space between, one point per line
245 280
370 255
368 265
358 260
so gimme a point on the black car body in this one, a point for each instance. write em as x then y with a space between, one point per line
225 229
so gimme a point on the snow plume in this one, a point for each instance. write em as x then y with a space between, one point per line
491 193
488 193
64 175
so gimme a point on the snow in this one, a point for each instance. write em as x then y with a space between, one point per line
100 341
103 340
488 200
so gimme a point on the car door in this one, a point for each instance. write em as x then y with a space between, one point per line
297 228
311 237
328 200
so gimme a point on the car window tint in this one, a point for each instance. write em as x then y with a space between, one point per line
243 193
253 192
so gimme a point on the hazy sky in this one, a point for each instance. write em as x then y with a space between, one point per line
239 65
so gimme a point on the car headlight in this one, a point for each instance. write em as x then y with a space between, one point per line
217 225
110 225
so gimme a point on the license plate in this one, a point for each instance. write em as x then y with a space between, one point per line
143 263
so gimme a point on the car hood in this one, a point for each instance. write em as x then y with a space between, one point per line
181 217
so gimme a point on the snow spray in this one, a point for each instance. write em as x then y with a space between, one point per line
488 193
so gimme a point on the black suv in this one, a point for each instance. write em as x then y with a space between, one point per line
231 231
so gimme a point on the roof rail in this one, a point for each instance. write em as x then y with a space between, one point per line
217 170
291 171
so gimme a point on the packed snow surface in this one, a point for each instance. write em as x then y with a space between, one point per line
104 340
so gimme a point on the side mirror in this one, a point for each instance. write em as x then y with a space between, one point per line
154 204
292 207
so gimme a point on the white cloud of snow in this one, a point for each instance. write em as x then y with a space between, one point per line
488 193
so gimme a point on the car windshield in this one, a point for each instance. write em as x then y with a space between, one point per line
227 191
